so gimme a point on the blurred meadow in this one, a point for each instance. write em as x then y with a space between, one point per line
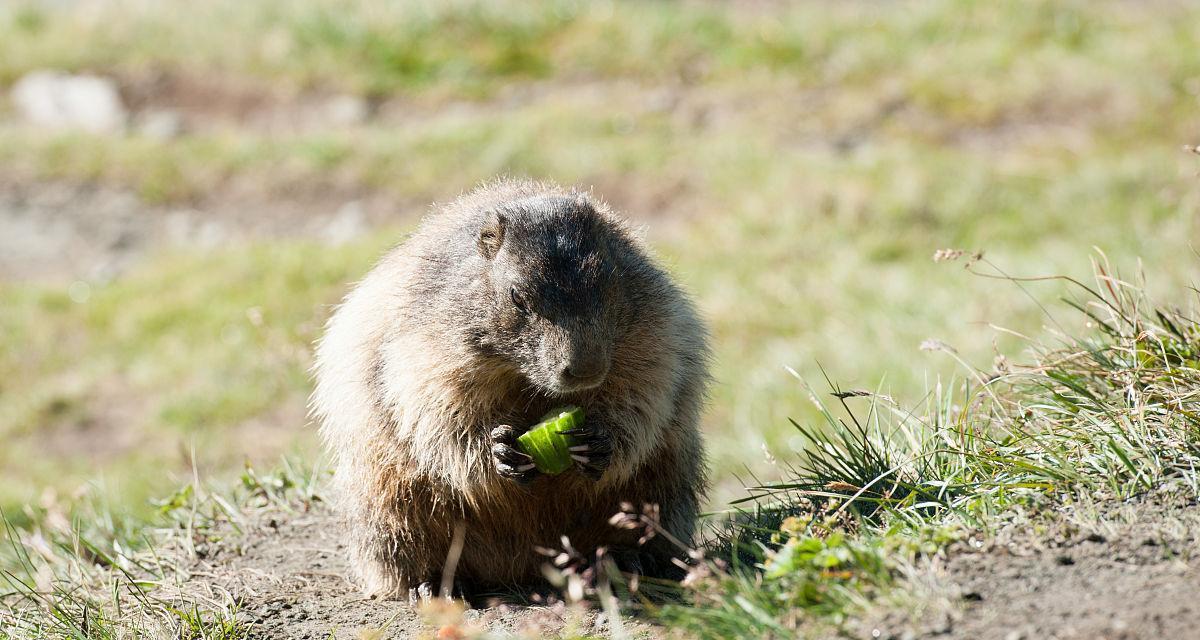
795 165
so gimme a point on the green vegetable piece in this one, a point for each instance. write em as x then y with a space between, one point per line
546 444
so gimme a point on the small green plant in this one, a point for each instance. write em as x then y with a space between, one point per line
809 573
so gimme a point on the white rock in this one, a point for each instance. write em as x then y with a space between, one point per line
57 100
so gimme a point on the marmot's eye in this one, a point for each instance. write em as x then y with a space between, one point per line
518 301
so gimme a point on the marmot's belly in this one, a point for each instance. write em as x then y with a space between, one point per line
502 544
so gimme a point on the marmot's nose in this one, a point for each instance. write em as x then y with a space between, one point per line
585 372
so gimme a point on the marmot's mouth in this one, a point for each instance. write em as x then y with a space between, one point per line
572 384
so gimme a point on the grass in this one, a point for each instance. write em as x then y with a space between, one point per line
81 571
1104 410
796 167
415 46
154 371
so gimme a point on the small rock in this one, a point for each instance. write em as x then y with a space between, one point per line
57 100
1065 560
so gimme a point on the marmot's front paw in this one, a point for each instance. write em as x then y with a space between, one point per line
592 449
510 461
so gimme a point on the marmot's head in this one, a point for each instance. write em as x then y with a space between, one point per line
551 302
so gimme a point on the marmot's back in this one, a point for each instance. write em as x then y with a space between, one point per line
516 298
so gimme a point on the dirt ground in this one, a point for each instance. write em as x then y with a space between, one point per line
1125 572
289 574
55 231
1132 573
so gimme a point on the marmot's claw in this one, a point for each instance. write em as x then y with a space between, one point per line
505 434
510 461
422 594
592 449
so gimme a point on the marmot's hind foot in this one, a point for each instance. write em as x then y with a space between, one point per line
648 563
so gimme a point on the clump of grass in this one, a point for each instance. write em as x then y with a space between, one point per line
1110 409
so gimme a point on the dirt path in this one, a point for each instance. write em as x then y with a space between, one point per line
1133 573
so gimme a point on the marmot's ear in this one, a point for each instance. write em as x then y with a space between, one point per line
491 236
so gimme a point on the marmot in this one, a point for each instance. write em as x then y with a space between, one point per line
514 299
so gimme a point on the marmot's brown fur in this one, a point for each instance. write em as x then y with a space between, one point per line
514 299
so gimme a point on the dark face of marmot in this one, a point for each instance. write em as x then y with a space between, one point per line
550 303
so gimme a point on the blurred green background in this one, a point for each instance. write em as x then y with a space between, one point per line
163 275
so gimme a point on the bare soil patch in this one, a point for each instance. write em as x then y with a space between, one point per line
51 231
1132 573
288 574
